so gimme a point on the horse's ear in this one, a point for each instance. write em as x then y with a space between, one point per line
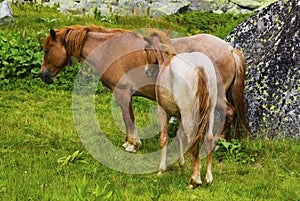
53 34
147 39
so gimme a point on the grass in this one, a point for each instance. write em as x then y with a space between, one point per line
43 158
38 134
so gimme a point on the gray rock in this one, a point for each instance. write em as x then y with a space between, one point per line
124 7
229 6
6 15
159 7
247 4
270 42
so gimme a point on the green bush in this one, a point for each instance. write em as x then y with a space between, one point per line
20 55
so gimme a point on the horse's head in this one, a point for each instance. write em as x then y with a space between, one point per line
157 50
55 57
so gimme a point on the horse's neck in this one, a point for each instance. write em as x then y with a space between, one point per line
94 40
96 48
101 50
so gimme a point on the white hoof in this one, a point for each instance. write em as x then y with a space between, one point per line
161 170
181 162
159 173
125 145
195 181
130 148
191 187
162 167
209 178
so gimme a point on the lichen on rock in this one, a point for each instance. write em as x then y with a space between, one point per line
270 42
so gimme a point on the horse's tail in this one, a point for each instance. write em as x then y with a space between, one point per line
236 93
202 110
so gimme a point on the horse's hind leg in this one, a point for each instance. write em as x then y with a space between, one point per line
230 115
195 162
209 145
123 98
180 138
188 125
164 120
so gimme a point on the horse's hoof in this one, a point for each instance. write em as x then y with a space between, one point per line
125 144
159 173
130 148
182 162
162 167
190 187
195 181
138 144
209 178
193 186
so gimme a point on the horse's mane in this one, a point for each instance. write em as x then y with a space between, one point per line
73 37
165 40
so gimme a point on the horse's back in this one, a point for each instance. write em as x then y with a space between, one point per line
219 51
206 43
185 65
184 78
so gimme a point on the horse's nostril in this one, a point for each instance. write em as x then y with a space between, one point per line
46 77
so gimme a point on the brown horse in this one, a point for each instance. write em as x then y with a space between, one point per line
186 88
113 53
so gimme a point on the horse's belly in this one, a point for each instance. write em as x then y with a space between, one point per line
165 100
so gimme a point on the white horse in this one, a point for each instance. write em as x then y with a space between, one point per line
186 88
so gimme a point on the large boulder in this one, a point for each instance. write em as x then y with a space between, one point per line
270 42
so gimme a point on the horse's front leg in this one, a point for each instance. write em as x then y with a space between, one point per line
164 120
123 98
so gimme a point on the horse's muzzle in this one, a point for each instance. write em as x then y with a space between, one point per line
46 77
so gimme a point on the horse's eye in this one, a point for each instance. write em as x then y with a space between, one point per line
46 51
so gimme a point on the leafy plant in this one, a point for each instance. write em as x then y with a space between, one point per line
102 193
235 151
84 191
20 56
76 157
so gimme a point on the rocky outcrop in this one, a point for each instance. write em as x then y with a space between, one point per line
270 42
229 6
159 7
123 7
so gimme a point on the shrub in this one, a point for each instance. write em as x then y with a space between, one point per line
20 56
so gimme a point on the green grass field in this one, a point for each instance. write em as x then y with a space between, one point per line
43 158
38 134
